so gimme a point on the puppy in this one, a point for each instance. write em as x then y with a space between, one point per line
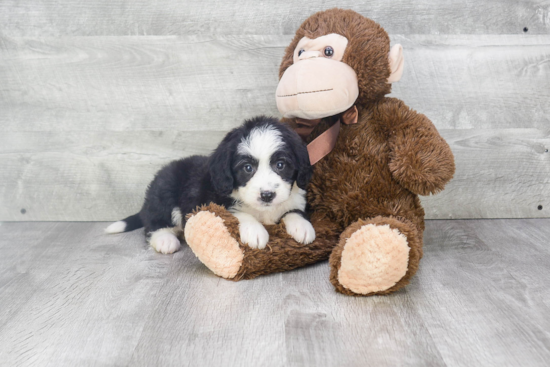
259 172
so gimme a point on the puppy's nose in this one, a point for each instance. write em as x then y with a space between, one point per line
267 196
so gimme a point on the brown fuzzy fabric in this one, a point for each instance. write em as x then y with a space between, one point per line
374 174
364 176
402 225
282 252
380 165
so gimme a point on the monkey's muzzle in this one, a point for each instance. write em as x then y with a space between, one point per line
316 88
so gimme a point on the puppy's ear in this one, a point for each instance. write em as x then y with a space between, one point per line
219 166
305 170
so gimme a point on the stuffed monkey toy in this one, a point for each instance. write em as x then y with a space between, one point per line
372 157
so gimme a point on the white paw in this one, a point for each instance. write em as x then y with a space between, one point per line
253 234
299 228
165 242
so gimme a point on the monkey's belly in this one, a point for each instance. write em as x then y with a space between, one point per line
350 192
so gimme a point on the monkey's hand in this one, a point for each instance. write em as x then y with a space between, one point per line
420 158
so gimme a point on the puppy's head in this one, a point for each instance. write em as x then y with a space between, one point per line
260 163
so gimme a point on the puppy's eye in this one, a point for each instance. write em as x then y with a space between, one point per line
329 51
300 52
280 165
248 168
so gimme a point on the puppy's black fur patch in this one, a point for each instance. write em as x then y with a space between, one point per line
197 180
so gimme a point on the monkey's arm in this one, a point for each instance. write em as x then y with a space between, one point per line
420 158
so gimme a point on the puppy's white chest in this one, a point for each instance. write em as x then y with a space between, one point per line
265 217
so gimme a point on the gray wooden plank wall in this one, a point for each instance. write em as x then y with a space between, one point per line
96 96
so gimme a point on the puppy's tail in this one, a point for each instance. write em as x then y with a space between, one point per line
125 225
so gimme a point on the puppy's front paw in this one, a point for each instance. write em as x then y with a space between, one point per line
253 234
164 242
299 228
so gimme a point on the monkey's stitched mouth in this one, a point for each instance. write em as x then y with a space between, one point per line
313 91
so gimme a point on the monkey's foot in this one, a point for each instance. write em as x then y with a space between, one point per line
210 240
374 257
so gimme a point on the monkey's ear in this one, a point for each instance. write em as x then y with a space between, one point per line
396 63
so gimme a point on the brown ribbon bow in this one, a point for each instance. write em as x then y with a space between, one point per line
324 143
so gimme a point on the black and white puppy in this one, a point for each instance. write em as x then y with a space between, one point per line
259 172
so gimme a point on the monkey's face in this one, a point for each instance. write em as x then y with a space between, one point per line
318 84
337 58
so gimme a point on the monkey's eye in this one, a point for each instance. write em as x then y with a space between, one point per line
248 168
280 165
329 51
300 52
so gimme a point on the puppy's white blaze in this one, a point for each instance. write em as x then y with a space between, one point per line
116 227
177 217
261 143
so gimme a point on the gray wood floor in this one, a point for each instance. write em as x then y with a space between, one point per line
71 296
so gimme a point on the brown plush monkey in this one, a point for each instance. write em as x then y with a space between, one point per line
369 171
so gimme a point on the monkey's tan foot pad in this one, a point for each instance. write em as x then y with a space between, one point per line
210 240
374 259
